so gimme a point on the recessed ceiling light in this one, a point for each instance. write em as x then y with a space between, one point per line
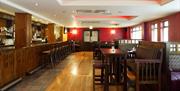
36 4
63 11
107 12
119 11
73 11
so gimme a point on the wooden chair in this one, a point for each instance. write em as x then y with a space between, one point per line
148 72
147 66
96 51
97 54
98 79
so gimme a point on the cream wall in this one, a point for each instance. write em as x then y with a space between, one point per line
57 30
64 37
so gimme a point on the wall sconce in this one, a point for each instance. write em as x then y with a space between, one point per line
90 27
66 30
74 31
113 31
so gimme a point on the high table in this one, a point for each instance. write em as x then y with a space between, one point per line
113 59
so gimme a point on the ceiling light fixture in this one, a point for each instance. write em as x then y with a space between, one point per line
60 2
73 11
36 4
107 12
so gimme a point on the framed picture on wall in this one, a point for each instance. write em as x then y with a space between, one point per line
94 36
91 36
87 37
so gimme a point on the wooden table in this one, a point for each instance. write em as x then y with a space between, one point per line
114 65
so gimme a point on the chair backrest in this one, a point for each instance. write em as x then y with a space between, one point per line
157 45
149 70
154 71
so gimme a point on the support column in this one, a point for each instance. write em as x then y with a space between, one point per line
61 33
23 31
50 33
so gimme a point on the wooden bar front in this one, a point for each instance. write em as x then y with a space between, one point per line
16 63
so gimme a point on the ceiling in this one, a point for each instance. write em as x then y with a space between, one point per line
96 13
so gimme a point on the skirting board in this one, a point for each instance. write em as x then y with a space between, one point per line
10 84
34 70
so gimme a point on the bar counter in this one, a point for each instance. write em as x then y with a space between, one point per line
15 63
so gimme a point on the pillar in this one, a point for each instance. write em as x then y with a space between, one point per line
23 31
50 33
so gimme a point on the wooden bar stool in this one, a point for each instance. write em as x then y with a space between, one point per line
97 54
52 57
49 54
98 79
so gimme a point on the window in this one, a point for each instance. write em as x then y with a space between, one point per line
154 32
136 32
164 31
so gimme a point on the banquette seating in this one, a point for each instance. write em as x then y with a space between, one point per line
173 54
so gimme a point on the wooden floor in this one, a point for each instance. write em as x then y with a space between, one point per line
72 74
77 75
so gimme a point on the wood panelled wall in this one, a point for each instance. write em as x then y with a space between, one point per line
23 31
2 23
17 62
50 33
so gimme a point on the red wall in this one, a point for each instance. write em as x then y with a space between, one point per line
76 37
174 28
128 33
104 34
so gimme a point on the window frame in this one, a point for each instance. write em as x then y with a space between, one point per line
154 28
163 27
137 32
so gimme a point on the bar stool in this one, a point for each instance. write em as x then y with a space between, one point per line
59 53
49 57
52 57
98 79
97 54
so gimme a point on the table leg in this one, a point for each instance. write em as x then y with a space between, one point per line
125 75
106 84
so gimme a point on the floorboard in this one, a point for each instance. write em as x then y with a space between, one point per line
74 73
